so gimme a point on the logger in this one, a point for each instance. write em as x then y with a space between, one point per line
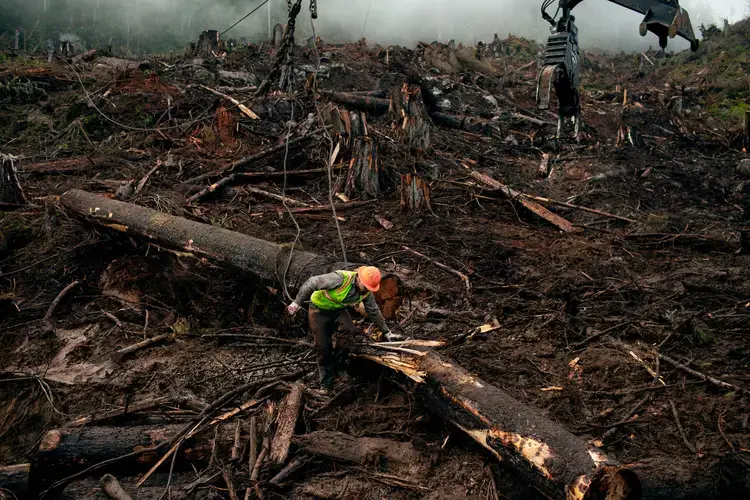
562 64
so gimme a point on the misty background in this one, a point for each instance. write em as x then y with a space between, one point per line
140 26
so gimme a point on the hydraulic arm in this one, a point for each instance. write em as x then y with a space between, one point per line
562 66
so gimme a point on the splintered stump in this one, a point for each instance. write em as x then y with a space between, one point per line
348 125
410 117
364 178
10 188
415 193
209 44
559 464
234 251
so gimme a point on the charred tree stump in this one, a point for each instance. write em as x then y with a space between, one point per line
209 44
410 117
260 258
10 188
364 178
346 448
559 464
415 193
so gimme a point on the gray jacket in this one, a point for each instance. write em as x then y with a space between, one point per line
333 280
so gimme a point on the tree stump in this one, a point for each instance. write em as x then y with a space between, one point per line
10 188
364 178
209 44
410 116
415 193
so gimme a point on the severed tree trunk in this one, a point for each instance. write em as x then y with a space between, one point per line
10 189
559 464
346 448
365 173
66 451
410 117
260 258
14 481
348 125
415 193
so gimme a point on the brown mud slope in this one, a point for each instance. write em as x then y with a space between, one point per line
602 283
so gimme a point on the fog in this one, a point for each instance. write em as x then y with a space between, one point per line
158 25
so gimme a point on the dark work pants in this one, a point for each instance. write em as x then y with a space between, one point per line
323 325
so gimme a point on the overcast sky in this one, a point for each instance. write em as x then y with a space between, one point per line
602 24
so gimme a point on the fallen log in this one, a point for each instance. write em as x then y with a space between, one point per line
260 258
346 448
63 452
285 424
555 461
535 208
374 105
14 479
62 166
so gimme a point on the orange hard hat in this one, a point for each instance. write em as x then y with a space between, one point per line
370 277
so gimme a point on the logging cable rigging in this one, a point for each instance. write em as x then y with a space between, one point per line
329 160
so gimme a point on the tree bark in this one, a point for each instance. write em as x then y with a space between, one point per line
14 479
555 461
10 188
260 258
346 448
410 117
373 105
365 173
285 424
63 452
415 193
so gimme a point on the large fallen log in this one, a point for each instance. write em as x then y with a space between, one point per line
552 459
67 451
260 258
345 448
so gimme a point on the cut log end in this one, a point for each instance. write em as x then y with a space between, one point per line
611 483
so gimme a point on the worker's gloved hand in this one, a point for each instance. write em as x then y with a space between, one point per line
292 309
393 336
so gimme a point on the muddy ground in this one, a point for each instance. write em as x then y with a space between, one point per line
675 278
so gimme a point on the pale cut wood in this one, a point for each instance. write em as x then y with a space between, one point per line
286 422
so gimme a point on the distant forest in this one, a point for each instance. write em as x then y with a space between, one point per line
130 26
